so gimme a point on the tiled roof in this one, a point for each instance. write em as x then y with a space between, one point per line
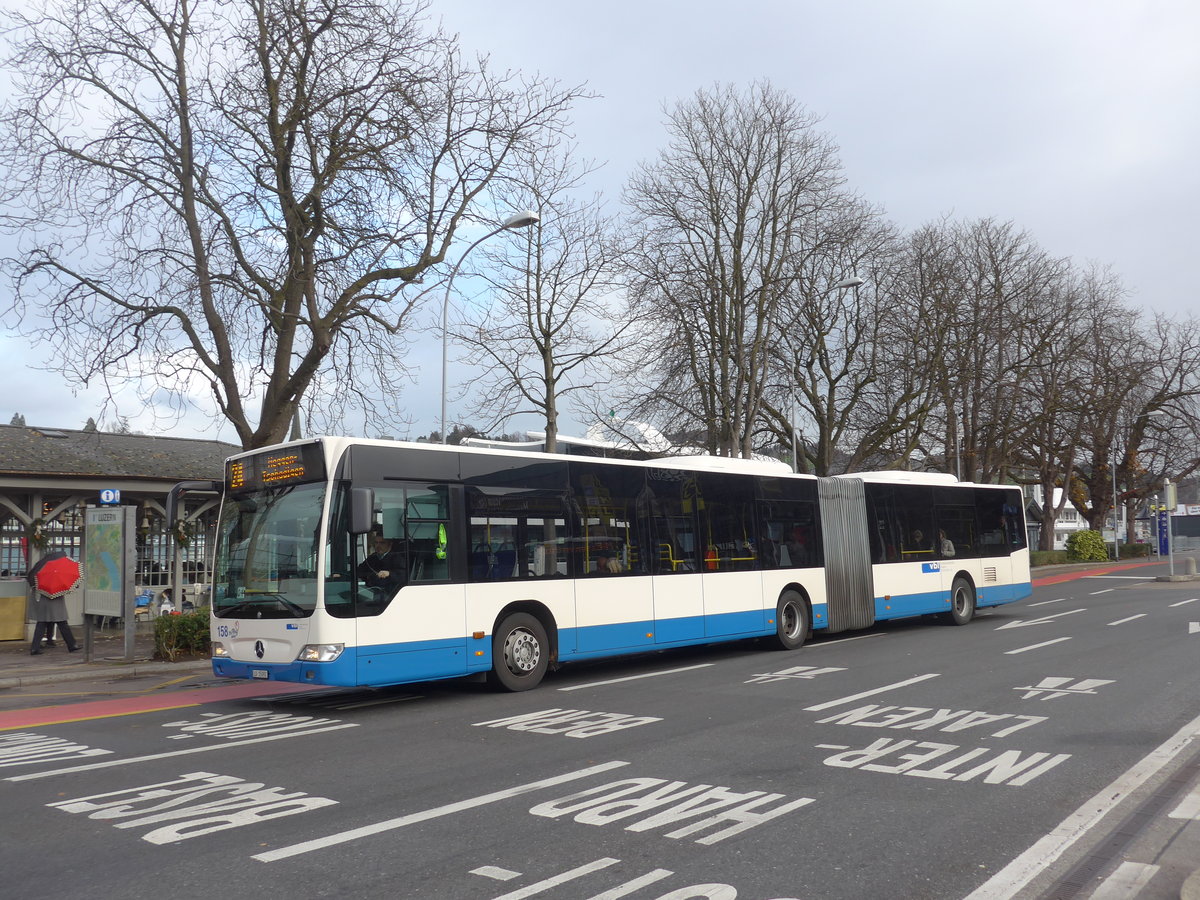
31 451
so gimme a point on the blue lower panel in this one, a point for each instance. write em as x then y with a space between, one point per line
686 629
620 635
383 664
899 607
738 624
407 662
598 641
1004 593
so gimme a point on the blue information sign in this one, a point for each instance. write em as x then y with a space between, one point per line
1164 523
110 497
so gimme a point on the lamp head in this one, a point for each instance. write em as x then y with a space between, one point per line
522 219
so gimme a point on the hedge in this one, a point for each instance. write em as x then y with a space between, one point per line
185 634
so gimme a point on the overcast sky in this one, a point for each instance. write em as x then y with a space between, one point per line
1078 120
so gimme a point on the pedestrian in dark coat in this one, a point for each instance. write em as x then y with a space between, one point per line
51 611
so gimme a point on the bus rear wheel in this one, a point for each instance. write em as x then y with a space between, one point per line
962 602
520 653
793 620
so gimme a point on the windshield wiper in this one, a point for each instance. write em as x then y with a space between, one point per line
233 610
259 602
294 607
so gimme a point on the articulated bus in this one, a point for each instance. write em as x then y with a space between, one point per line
513 562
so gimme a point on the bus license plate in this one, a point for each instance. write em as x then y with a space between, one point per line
260 673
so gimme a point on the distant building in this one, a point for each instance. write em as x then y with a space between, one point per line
1068 522
49 476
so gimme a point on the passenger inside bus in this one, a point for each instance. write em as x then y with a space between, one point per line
945 544
918 544
796 548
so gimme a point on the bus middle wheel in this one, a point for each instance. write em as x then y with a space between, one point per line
520 653
793 620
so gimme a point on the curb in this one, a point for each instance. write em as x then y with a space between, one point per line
85 671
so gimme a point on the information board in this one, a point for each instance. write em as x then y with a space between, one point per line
109 560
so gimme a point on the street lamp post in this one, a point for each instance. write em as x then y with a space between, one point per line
1116 523
522 219
848 282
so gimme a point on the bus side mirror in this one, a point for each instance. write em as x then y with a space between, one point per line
362 510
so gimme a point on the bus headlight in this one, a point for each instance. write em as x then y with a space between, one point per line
320 652
219 649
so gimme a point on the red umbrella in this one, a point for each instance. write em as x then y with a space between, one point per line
55 574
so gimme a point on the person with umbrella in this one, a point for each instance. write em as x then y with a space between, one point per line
54 575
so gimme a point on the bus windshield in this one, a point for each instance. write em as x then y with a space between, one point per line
267 552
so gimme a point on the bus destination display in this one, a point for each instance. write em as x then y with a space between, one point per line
274 468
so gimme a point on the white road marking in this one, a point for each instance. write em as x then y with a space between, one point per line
1193 627
1024 623
1127 881
580 687
1009 881
1105 591
562 878
871 693
1054 686
496 872
860 637
1044 602
414 818
1036 646
635 884
1126 577
1184 602
137 759
1128 619
1189 808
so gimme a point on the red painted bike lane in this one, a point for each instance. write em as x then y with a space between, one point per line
130 706
1084 573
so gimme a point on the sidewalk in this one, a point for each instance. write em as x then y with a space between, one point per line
20 669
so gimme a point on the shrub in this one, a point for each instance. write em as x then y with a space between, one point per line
1135 550
1047 557
181 634
1086 545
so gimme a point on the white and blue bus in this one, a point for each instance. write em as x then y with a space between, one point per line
510 563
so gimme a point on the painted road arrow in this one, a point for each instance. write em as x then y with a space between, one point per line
1042 621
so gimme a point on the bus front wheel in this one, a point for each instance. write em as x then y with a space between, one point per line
962 602
792 620
520 653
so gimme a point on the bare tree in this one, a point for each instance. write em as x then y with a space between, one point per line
1159 429
1056 386
836 344
236 194
726 214
554 316
990 309
1119 363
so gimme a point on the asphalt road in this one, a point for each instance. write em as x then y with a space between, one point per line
915 760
